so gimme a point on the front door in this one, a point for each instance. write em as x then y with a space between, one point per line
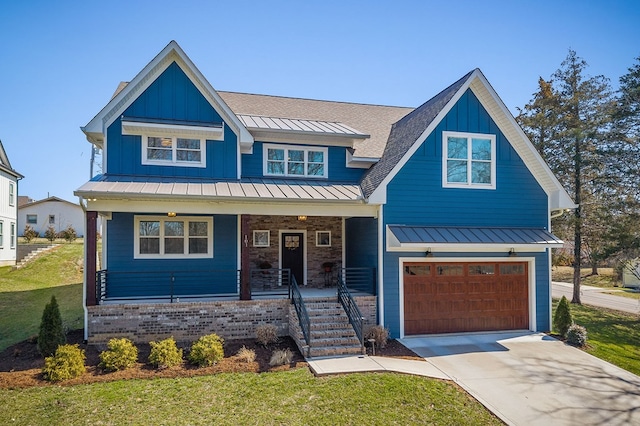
292 254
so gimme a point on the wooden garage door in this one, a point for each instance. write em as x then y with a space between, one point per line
461 297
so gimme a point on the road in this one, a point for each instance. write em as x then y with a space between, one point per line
595 296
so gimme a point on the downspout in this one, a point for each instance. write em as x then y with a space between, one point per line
84 280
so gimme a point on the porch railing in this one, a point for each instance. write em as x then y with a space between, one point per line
270 282
301 310
353 312
166 285
359 279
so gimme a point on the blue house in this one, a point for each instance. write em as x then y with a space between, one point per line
223 211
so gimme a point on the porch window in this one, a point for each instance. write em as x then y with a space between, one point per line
295 161
171 151
173 238
469 160
323 238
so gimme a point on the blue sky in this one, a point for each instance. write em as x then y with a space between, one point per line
61 61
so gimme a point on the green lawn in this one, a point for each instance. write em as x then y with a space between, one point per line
25 292
611 335
293 397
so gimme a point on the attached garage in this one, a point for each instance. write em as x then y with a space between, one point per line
454 297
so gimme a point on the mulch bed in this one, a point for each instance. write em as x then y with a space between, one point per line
21 364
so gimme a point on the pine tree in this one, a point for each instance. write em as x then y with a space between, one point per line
51 332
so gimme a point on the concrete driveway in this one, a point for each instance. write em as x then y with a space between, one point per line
533 379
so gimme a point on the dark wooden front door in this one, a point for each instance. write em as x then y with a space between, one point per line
463 297
292 249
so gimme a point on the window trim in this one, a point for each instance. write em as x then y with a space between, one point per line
52 219
306 149
12 194
318 243
32 216
174 151
445 157
162 219
12 236
1 234
263 233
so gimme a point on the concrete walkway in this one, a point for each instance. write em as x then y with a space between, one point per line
596 296
364 364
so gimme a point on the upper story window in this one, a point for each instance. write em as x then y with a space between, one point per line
171 151
12 195
32 219
469 160
295 161
173 238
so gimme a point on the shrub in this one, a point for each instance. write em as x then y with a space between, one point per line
379 334
577 335
120 355
207 350
165 353
562 319
281 357
67 363
51 332
246 355
29 234
266 334
69 234
51 234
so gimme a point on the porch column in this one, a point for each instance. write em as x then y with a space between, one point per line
90 241
245 275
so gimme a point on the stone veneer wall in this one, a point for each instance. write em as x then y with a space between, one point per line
316 256
186 322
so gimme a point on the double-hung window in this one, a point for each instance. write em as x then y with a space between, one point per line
469 160
32 219
295 161
1 235
12 194
12 236
171 151
173 237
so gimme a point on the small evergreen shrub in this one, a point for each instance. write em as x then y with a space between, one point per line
577 335
67 363
246 355
120 355
563 319
266 334
379 334
207 350
69 234
29 234
281 357
165 353
51 234
51 333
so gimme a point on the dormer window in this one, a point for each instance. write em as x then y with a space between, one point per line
469 160
295 161
167 150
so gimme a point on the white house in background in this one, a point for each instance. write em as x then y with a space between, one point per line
8 209
51 211
631 273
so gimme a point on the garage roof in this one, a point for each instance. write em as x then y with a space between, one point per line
411 238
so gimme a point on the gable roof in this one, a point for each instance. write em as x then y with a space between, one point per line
409 133
372 120
47 200
5 165
127 93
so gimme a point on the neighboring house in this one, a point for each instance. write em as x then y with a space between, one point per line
8 209
631 273
24 199
438 216
51 211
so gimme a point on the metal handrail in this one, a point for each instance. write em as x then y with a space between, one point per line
360 279
301 310
353 312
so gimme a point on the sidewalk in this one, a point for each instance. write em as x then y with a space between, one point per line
365 364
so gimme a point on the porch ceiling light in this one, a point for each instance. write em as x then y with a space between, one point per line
172 214
302 217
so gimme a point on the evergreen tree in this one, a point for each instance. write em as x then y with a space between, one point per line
51 332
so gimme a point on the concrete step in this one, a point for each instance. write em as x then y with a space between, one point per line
317 352
32 255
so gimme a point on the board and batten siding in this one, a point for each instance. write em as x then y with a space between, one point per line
361 242
172 96
7 217
121 262
416 196
252 164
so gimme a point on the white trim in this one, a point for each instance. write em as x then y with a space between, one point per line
12 235
12 194
381 251
304 253
343 242
353 162
240 241
268 243
177 130
286 149
174 153
1 234
531 261
469 160
163 219
318 238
